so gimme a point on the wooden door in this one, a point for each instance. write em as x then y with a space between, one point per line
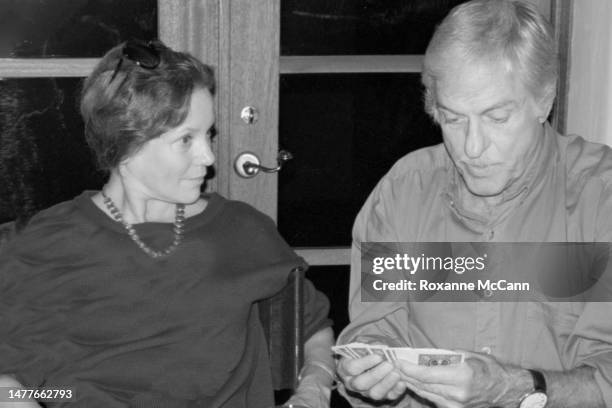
243 40
263 66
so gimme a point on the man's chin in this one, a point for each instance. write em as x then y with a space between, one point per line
481 188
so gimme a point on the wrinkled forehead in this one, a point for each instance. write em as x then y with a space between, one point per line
478 85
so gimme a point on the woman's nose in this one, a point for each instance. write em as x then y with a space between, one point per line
205 154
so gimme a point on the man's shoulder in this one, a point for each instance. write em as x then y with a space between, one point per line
587 160
413 181
426 164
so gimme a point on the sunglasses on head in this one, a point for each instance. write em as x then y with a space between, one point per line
143 54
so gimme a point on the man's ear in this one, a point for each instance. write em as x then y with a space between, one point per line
546 104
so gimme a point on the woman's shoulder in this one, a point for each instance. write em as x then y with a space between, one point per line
60 215
234 218
242 227
53 227
225 207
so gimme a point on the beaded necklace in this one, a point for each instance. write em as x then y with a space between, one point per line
179 221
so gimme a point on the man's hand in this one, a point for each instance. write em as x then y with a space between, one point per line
372 377
481 381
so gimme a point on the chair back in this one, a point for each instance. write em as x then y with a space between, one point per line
7 232
283 320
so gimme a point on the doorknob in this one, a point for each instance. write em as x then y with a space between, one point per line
247 164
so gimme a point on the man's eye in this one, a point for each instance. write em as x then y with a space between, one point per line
186 140
450 120
499 118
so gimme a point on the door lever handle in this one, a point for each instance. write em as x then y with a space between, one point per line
248 165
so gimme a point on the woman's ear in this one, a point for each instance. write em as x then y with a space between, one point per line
122 167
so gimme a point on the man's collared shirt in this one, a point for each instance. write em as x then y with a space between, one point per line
565 195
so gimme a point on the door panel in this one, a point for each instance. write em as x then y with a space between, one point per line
253 81
346 131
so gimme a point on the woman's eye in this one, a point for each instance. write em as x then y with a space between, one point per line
186 140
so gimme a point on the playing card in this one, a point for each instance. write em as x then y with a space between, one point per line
421 356
439 359
380 350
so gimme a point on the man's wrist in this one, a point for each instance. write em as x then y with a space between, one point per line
518 383
537 398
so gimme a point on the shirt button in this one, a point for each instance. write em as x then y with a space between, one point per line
488 293
486 350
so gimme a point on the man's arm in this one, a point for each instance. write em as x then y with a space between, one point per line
482 382
370 379
367 381
575 388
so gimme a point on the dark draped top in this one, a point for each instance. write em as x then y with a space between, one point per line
82 307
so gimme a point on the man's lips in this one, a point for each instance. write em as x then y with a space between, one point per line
479 169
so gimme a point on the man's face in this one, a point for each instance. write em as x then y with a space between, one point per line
490 125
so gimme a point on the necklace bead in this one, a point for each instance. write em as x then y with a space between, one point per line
179 221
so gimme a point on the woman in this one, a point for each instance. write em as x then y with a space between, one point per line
145 293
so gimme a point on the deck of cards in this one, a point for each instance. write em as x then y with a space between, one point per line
419 356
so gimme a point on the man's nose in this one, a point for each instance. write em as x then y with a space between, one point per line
475 140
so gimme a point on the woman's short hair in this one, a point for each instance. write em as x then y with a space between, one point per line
510 31
124 104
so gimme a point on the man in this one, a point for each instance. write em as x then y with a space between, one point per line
501 175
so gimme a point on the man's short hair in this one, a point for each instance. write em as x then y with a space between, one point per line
510 31
124 108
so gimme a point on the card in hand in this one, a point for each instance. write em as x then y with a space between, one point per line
420 356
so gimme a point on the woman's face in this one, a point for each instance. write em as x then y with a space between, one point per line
172 167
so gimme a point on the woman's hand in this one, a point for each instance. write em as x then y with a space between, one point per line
317 375
311 393
9 381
